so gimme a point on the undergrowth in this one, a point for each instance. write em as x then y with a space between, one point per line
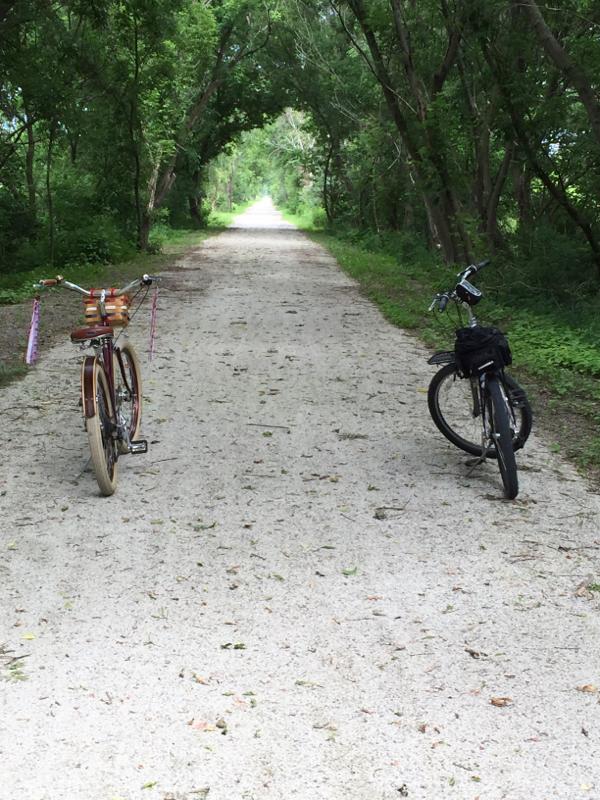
19 286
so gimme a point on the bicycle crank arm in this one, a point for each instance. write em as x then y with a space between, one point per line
138 447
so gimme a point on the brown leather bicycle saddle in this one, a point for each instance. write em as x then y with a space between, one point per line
92 332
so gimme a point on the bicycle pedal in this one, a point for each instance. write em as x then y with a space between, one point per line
138 447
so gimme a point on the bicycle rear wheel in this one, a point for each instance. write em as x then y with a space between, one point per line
100 424
454 407
128 393
502 435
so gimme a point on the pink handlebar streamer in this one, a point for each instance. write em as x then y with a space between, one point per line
34 332
152 348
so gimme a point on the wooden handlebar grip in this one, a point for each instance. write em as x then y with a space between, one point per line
52 281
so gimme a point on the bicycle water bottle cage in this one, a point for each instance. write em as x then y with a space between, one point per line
468 293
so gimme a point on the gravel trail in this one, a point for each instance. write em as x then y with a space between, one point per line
298 592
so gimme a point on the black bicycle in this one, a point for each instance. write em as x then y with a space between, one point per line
473 401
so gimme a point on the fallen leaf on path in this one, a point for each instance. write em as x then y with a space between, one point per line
474 653
588 688
500 702
28 636
200 679
222 726
149 784
201 725
583 590
349 571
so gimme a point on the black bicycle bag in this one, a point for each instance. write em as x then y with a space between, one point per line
480 350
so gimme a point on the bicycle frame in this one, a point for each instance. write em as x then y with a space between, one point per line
106 352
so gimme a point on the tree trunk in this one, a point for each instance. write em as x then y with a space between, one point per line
194 207
521 177
563 62
195 201
326 203
144 234
491 223
49 200
29 173
230 192
145 224
133 128
483 180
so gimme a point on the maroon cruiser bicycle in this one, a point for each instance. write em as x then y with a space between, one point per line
111 383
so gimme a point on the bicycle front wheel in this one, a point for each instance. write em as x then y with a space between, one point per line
502 436
100 425
454 406
128 393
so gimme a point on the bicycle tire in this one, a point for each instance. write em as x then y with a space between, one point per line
501 432
99 426
451 406
128 393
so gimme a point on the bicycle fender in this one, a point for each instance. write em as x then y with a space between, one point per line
88 388
445 357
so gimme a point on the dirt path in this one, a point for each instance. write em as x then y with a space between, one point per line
236 622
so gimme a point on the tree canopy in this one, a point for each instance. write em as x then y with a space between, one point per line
473 126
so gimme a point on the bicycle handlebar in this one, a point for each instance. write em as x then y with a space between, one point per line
145 280
473 268
442 299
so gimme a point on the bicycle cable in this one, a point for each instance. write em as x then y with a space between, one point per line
139 305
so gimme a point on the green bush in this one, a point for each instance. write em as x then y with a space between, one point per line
544 257
96 241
